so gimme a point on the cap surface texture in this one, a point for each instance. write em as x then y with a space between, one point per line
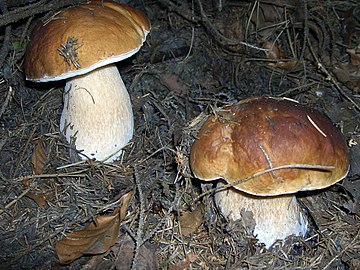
82 38
263 133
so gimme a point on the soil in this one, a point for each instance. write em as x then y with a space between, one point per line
198 57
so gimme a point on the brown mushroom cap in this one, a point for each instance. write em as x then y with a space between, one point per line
262 133
97 33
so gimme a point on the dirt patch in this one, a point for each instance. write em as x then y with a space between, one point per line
199 56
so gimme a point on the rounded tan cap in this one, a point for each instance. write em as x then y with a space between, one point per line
263 133
82 38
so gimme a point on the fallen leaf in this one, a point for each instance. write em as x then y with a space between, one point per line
40 199
348 27
349 72
273 50
190 221
269 15
287 65
190 258
275 53
171 81
38 157
97 262
353 187
146 258
354 55
97 238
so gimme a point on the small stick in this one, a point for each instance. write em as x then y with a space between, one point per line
331 78
291 166
315 126
221 38
138 238
51 175
342 251
34 9
15 200
5 46
7 100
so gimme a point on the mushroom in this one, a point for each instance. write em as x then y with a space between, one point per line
268 149
82 44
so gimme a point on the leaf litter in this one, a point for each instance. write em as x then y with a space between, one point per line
97 238
198 58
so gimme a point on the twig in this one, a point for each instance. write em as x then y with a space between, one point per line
139 232
191 43
34 9
192 34
342 251
178 10
331 78
139 241
306 30
15 200
21 156
7 100
291 166
71 165
267 155
140 238
254 8
5 46
2 143
52 175
221 38
23 34
304 87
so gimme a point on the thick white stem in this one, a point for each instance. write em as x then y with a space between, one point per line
97 114
275 217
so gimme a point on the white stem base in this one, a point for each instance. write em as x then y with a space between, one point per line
97 114
275 217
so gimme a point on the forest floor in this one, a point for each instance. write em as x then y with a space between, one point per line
199 56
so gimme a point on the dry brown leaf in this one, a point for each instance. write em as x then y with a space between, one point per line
273 50
40 199
171 81
190 258
96 262
190 221
38 157
97 238
354 55
146 258
269 15
349 72
275 53
348 25
287 65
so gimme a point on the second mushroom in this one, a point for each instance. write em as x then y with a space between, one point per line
269 149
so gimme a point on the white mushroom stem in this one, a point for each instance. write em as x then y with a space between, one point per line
97 114
275 217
